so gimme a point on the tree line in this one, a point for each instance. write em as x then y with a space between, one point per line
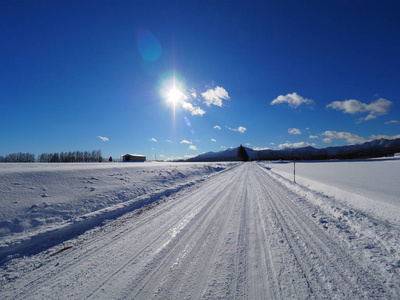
18 157
71 156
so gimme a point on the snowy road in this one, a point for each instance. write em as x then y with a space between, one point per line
241 235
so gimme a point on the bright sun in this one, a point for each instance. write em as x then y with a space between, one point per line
174 95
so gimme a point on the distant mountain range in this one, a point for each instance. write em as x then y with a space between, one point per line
376 148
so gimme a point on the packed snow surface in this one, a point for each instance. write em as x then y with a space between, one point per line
238 231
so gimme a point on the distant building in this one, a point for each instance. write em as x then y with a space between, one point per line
133 157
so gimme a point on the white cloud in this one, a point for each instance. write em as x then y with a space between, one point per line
313 137
105 139
185 142
169 141
191 147
327 140
353 138
296 145
194 110
349 137
375 108
392 122
223 147
213 140
217 127
261 148
379 107
240 129
294 131
348 106
388 137
369 117
193 93
215 96
153 140
273 144
294 100
247 144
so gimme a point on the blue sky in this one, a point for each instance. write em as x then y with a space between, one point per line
85 75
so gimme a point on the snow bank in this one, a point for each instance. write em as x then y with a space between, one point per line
39 197
371 186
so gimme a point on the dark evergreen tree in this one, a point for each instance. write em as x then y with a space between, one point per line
110 159
242 154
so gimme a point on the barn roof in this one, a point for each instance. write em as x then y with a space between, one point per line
135 155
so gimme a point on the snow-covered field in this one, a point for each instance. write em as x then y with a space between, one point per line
210 230
39 198
372 185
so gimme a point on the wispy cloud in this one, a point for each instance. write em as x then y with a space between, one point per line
261 148
293 100
217 127
169 141
392 122
349 137
294 131
213 140
185 142
313 137
153 140
240 129
215 96
105 139
192 147
374 109
296 145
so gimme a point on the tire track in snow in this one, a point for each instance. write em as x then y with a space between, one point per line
263 254
157 258
202 235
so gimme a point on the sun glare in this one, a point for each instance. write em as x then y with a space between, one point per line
174 95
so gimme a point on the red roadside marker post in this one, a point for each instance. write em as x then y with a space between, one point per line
294 171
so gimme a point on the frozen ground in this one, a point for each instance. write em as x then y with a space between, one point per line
244 232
